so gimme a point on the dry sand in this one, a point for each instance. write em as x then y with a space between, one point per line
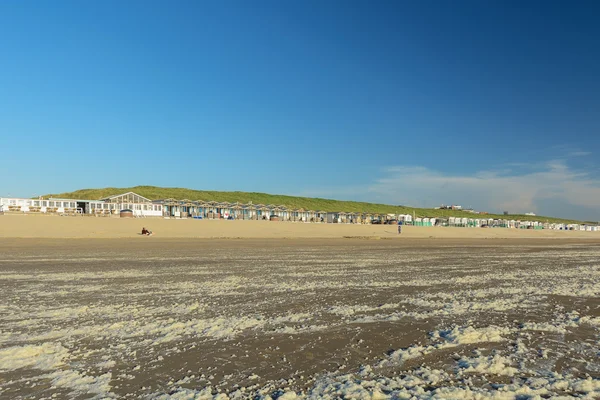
39 226
173 318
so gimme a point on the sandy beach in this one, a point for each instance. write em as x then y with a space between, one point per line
40 226
264 318
222 310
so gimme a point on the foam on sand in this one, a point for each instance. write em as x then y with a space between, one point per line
46 356
379 321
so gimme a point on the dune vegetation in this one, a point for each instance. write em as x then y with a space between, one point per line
307 203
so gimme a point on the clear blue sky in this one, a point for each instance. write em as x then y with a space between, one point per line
421 103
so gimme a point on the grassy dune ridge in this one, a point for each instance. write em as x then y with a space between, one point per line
308 203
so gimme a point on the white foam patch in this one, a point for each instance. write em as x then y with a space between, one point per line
46 356
496 365
469 334
450 338
347 311
423 383
79 383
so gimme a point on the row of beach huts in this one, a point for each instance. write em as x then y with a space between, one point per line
499 223
139 206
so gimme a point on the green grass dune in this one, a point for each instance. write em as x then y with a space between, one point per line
308 203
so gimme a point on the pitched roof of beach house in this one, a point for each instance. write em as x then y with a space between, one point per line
129 197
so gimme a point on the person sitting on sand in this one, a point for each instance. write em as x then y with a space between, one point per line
146 232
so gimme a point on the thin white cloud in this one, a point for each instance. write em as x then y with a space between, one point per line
579 153
550 188
493 190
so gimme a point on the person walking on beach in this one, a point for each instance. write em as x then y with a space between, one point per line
399 227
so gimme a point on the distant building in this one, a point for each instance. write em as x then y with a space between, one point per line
530 214
140 206
452 207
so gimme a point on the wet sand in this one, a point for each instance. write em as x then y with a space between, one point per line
315 318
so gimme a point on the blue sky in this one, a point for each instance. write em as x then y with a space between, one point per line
487 104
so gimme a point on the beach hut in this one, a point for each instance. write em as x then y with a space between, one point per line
299 215
170 207
332 218
320 216
185 208
247 211
237 210
311 216
280 211
201 208
351 217
263 212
